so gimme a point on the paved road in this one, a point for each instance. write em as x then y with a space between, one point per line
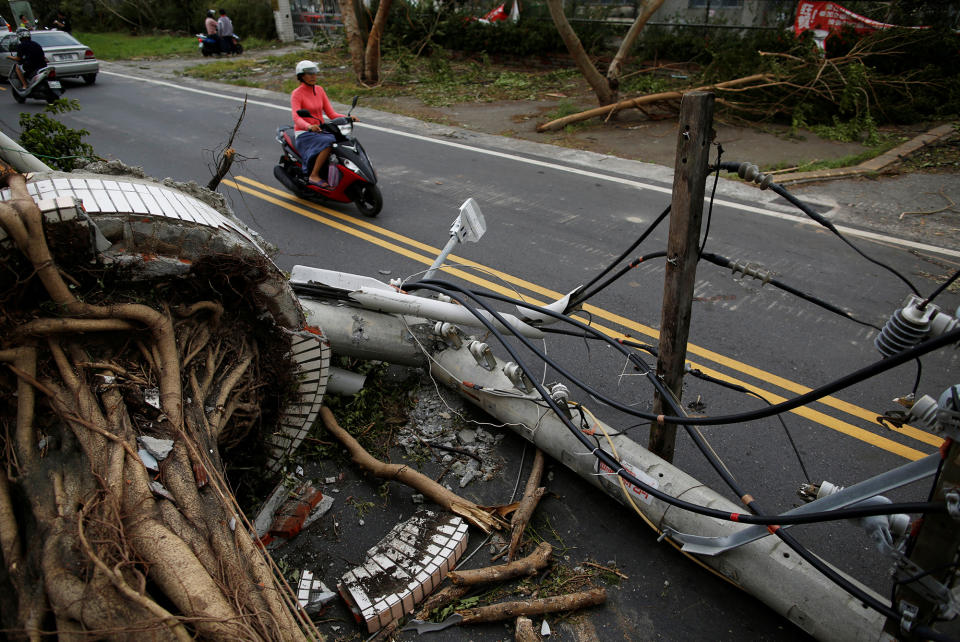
555 217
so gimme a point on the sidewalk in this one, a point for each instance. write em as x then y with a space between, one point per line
874 164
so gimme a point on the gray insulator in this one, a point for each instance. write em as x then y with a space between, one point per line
923 413
749 172
906 328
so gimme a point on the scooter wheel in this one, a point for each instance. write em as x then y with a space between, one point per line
368 199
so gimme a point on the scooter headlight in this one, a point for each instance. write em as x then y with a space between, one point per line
346 129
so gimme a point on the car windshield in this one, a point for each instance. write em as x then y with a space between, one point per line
54 39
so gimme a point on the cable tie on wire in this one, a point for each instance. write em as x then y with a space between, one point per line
747 499
773 528
945 447
660 419
734 517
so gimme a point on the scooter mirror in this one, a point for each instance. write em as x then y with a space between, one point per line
354 104
304 113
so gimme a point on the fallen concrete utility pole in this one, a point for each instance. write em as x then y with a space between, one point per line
765 568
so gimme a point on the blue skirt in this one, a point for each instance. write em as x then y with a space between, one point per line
310 144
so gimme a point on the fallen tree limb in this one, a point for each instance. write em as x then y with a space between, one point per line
607 110
531 497
507 610
410 477
529 565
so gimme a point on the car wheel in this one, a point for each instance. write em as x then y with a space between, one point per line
89 78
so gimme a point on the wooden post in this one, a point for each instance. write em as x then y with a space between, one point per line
934 551
689 181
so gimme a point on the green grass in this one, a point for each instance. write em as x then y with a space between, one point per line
886 143
123 46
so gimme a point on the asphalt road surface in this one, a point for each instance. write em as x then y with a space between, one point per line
555 218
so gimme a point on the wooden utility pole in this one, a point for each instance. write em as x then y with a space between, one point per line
689 180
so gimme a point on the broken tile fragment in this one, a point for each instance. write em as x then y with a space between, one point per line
403 568
292 514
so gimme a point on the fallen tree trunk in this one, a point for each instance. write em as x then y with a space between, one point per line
449 500
609 110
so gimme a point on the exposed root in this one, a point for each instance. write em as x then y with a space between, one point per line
91 542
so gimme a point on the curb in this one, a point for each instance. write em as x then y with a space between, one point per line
874 164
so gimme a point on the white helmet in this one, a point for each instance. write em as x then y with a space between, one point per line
307 67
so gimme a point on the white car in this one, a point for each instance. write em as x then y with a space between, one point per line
66 54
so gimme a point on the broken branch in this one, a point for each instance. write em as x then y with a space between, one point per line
406 475
529 565
506 610
531 497
560 123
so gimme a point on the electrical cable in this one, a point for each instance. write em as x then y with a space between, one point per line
583 296
724 262
699 374
803 207
713 193
451 290
942 287
827 389
775 522
627 342
632 247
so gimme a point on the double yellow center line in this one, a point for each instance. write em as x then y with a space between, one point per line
423 253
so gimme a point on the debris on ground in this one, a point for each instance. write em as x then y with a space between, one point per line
312 594
403 568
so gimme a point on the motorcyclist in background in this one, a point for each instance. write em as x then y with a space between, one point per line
210 24
29 56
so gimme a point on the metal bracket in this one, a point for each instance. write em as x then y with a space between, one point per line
482 353
927 587
953 503
450 334
908 616
518 377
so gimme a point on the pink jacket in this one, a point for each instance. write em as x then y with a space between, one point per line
314 99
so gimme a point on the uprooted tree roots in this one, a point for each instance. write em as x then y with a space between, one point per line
93 543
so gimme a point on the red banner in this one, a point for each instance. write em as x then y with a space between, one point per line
831 18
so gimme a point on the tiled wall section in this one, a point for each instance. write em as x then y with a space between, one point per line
312 354
404 567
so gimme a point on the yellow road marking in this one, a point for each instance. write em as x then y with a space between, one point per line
299 206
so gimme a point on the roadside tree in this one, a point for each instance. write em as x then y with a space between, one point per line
364 44
607 88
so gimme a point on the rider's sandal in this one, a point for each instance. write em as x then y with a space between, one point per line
321 184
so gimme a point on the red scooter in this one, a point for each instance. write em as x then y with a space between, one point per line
353 178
